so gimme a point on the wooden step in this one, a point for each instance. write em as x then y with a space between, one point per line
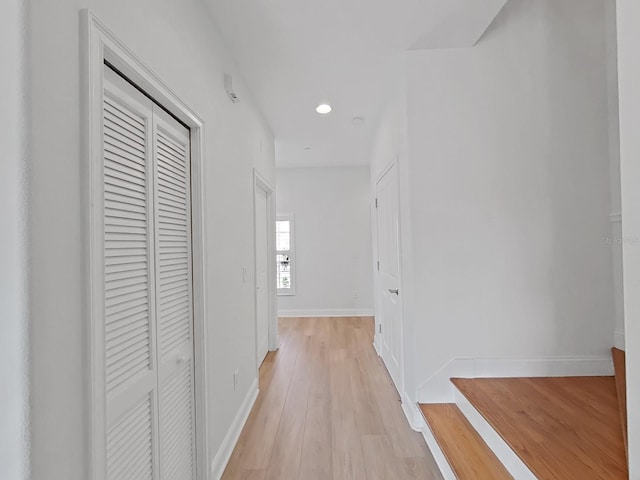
470 458
561 428
619 363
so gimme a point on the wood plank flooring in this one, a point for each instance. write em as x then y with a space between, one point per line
470 458
561 428
327 410
620 364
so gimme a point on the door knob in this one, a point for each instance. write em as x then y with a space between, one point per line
393 290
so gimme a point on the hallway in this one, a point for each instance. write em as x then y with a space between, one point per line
327 410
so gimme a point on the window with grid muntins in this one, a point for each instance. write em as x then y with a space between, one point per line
285 255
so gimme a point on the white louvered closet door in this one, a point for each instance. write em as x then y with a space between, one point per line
174 297
129 330
148 331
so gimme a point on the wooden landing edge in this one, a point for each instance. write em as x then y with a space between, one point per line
619 363
463 448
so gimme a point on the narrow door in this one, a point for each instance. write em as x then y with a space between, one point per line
262 273
174 297
390 321
129 261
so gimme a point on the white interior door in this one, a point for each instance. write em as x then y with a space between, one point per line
262 273
148 329
390 312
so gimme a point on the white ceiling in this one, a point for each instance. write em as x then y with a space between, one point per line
295 54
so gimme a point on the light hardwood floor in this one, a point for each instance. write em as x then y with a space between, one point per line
561 428
468 455
327 410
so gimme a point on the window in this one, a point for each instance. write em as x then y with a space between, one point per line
285 255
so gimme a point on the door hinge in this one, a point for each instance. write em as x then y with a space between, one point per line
378 264
376 203
379 328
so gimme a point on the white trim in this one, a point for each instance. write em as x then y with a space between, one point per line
436 451
438 388
618 339
494 441
99 44
615 217
412 412
233 434
259 182
327 312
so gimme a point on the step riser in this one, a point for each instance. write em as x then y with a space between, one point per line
494 441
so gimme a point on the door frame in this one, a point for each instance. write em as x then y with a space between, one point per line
378 301
99 46
260 183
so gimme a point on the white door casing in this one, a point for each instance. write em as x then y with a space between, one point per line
388 272
262 273
99 47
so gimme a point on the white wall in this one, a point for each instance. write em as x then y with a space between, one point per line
629 79
509 196
390 145
14 379
177 39
333 239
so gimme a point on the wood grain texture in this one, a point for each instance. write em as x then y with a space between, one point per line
470 458
327 410
561 428
620 365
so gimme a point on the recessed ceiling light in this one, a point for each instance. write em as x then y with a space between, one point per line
323 109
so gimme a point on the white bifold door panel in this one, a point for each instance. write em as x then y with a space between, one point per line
148 330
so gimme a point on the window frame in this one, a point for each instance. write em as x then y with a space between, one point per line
287 217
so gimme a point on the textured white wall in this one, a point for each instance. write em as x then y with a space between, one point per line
14 379
178 40
333 238
629 79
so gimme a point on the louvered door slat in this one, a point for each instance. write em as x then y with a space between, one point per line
129 284
129 445
176 422
130 191
174 298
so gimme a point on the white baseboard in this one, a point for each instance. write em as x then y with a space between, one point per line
494 441
438 456
233 434
618 340
438 388
328 312
413 414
